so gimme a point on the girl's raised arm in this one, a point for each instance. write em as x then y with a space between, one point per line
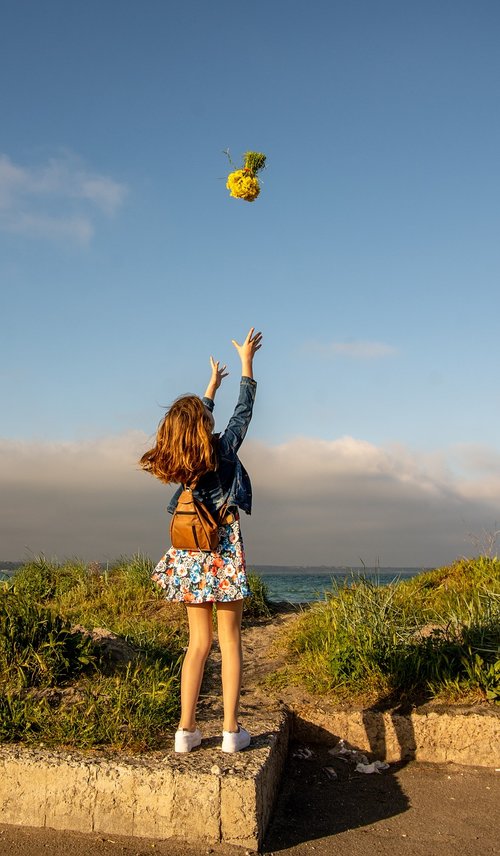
218 373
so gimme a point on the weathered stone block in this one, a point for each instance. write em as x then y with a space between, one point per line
154 795
23 792
70 795
114 803
239 821
196 806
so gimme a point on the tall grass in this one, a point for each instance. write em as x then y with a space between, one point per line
37 647
55 683
435 636
57 686
257 606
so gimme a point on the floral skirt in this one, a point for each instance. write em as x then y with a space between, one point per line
195 576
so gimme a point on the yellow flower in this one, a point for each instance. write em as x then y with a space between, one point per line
243 184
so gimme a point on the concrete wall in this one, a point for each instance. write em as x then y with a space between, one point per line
204 796
462 736
208 796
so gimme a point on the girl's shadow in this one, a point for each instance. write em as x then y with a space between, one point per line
322 795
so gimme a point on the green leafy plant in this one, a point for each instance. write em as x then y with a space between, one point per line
257 606
55 683
435 636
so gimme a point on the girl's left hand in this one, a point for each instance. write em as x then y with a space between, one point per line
218 372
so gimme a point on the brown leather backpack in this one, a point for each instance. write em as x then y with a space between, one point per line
192 526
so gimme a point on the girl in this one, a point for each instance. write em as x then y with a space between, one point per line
187 452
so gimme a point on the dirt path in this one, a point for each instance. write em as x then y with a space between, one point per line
260 656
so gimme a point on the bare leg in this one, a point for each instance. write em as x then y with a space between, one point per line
229 629
200 643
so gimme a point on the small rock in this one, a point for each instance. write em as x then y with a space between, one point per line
330 772
303 752
216 770
345 753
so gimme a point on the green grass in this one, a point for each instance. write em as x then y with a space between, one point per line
257 606
56 685
436 636
37 647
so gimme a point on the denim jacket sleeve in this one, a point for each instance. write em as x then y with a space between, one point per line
232 438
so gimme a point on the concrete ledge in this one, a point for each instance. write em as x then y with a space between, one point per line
206 795
461 736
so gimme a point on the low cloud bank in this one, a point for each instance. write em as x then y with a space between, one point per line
316 502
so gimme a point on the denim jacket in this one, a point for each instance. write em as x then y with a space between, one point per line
230 483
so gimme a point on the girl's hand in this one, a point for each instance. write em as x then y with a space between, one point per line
247 350
250 345
218 373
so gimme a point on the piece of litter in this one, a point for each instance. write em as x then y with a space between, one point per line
374 767
339 749
345 754
303 752
330 772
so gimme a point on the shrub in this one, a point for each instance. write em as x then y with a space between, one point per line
257 605
37 648
435 636
54 683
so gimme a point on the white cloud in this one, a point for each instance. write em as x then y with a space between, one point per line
57 200
79 229
355 349
103 192
315 502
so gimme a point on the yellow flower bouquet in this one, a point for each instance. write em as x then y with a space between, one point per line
243 183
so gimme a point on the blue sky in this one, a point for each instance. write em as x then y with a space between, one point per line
370 261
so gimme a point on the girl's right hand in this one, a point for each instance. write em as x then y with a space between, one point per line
218 372
247 350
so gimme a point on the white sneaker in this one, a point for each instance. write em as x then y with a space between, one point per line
187 740
233 741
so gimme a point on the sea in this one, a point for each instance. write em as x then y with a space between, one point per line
297 584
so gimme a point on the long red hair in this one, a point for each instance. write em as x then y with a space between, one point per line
184 449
